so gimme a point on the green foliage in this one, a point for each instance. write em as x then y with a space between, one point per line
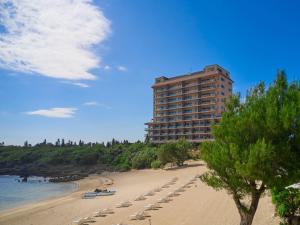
155 164
144 158
174 152
114 155
287 203
256 143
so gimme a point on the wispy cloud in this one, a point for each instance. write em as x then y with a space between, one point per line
122 68
51 37
79 84
54 112
106 67
94 103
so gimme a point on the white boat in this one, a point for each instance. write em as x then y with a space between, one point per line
98 193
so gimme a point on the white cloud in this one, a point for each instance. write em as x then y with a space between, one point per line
54 112
51 37
79 84
91 103
107 67
122 68
94 103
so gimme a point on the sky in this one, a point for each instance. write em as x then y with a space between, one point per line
83 69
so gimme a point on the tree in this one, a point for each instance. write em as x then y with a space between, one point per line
57 143
26 144
62 142
174 152
287 202
256 144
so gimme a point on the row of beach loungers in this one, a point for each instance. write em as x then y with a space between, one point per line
143 214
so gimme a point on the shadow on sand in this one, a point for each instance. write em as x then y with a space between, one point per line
174 167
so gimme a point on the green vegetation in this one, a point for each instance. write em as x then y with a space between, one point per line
68 158
174 152
287 202
257 145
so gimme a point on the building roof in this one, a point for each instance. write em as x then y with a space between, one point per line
207 69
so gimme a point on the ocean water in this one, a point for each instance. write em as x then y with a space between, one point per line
15 194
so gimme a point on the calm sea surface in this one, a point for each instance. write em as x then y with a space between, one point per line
14 193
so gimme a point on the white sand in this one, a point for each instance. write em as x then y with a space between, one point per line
198 205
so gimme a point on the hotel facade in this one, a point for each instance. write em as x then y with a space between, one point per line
186 106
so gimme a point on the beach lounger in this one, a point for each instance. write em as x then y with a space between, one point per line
99 214
165 186
81 221
108 211
140 198
78 221
157 189
150 193
136 216
124 204
164 200
88 219
175 179
144 214
171 182
103 212
154 206
179 190
172 194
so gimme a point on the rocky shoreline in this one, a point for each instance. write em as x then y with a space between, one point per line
54 174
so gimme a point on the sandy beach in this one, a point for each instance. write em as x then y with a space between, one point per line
197 205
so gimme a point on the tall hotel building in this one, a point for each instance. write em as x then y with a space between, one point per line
186 106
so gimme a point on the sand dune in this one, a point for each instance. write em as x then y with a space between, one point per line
197 205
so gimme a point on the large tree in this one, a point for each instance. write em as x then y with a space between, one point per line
256 144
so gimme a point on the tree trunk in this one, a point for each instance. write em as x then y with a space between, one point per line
247 214
246 218
293 220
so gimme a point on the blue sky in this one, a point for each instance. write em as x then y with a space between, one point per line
99 67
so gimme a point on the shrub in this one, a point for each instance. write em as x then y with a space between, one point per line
174 152
143 159
156 164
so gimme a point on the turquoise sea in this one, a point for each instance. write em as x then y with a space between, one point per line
14 193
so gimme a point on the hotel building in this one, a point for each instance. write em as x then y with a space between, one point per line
186 106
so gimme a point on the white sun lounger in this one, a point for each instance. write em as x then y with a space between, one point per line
78 221
81 221
157 189
136 216
108 211
172 194
150 193
124 204
140 198
164 200
154 206
99 214
179 190
175 179
103 212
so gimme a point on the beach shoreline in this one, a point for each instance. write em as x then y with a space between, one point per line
198 205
